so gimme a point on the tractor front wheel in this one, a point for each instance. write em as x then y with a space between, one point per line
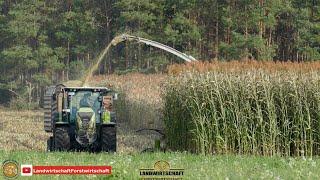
50 144
108 139
61 139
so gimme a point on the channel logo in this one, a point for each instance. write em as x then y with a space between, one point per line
30 170
26 170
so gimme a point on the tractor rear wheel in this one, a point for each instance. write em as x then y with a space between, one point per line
50 109
108 139
61 139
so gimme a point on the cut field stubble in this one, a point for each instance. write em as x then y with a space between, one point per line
23 131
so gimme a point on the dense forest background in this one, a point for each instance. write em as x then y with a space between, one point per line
50 41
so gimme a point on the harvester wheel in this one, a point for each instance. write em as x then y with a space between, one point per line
61 139
108 139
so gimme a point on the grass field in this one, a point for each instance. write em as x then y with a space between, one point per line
127 166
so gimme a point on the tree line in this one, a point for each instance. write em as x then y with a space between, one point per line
45 42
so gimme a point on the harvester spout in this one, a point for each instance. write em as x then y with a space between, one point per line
126 37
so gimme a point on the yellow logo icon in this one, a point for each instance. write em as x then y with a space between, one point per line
161 170
10 169
161 166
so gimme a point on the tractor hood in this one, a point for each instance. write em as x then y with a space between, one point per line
86 126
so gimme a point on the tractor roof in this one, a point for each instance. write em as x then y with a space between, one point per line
99 89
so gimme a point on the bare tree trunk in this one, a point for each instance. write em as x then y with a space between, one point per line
29 90
246 35
68 61
261 3
108 29
127 55
217 41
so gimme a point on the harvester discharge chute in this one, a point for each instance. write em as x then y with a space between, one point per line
126 37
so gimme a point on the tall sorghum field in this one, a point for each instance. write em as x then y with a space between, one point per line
240 66
244 109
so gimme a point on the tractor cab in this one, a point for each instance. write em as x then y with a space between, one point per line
90 99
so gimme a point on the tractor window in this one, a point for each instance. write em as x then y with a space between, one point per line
85 99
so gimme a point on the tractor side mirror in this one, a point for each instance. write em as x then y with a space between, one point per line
66 110
115 96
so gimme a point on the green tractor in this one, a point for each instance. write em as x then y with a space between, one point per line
80 118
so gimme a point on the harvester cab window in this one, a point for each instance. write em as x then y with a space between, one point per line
84 99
